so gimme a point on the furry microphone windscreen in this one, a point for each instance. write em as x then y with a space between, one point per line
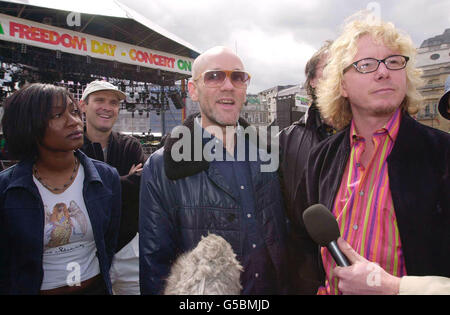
211 268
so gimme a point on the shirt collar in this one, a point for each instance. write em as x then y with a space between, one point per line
391 128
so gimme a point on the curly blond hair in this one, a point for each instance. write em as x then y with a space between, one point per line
335 108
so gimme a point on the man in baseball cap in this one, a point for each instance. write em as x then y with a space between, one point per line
100 103
444 103
98 85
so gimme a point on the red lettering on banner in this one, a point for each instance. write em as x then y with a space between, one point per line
141 56
54 38
46 36
133 54
66 40
13 28
155 59
79 44
151 59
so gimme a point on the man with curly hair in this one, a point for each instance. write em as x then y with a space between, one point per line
384 176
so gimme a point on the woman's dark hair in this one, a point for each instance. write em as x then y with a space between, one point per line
311 68
26 116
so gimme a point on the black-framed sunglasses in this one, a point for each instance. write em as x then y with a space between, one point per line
368 65
215 78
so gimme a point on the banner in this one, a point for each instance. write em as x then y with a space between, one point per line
301 100
46 36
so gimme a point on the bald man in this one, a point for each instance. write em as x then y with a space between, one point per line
206 180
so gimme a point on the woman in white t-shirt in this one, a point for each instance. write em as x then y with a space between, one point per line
59 209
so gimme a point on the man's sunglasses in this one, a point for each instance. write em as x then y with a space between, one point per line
215 78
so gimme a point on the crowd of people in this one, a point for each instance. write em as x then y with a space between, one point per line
84 212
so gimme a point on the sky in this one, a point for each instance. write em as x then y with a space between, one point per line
275 38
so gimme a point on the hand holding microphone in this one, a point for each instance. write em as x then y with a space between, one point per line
363 276
356 274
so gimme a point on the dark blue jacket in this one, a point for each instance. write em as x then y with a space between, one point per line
22 223
182 201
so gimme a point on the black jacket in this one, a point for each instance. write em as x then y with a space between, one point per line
181 201
295 143
123 152
419 180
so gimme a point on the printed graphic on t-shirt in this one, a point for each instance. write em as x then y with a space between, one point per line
64 224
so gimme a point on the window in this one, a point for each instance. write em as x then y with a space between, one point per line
435 56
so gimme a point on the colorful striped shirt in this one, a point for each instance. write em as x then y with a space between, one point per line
363 206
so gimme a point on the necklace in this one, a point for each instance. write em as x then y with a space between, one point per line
56 189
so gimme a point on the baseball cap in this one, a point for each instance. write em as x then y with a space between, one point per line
443 103
98 85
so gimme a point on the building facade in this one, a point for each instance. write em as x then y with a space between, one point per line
433 57
254 112
292 104
268 98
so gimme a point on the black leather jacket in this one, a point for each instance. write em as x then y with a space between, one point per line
296 141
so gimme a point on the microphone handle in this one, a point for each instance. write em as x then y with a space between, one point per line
338 256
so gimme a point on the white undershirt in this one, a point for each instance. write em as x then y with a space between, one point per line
69 247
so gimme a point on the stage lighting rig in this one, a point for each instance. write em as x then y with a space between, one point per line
131 107
176 100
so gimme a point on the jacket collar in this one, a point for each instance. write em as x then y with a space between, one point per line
112 137
404 145
406 139
90 171
94 149
180 169
313 121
